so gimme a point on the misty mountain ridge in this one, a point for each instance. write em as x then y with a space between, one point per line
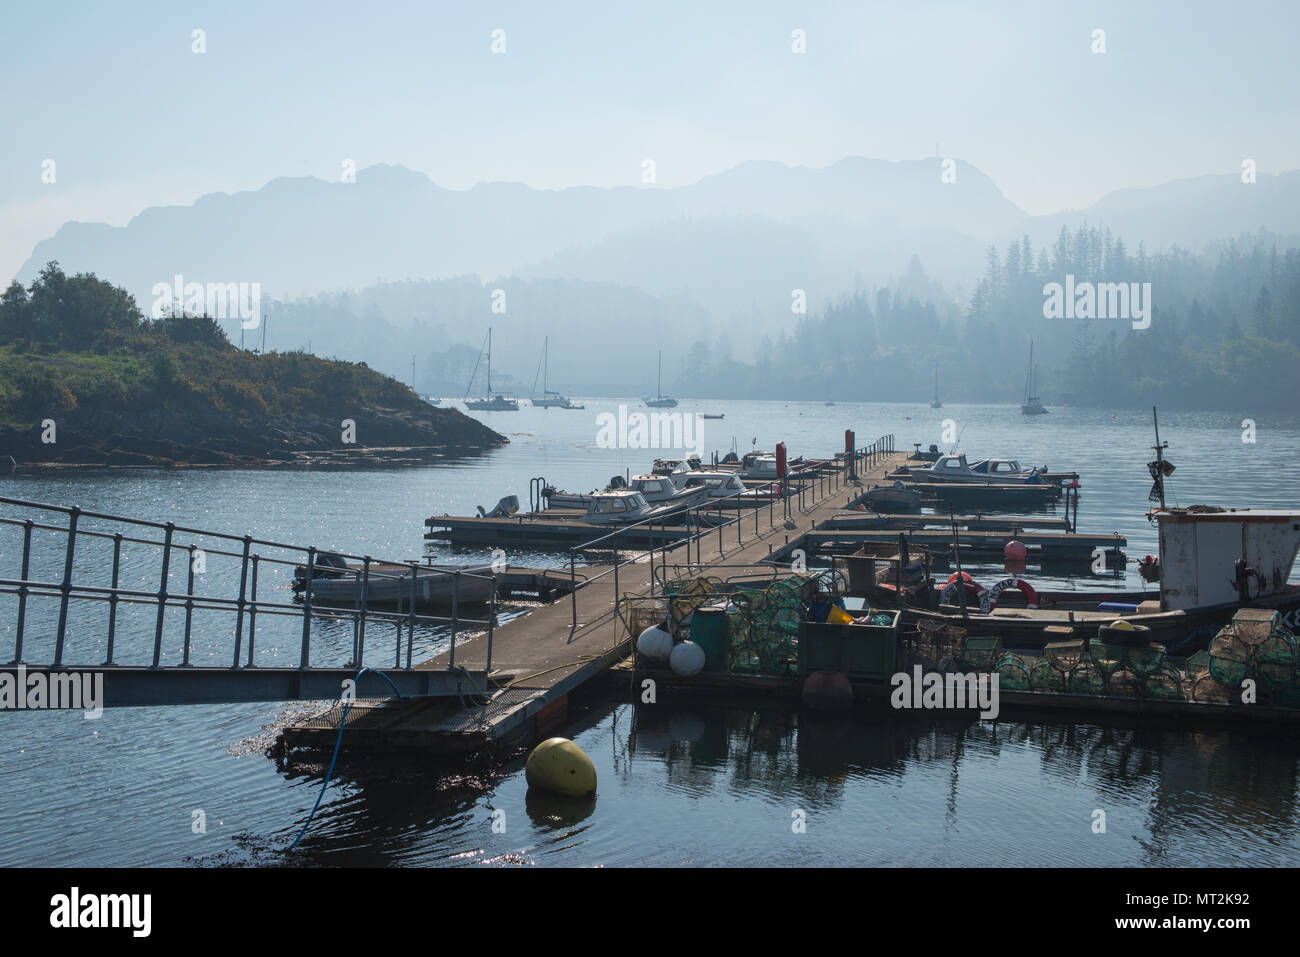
302 235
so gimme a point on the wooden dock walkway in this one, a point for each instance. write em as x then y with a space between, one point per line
540 657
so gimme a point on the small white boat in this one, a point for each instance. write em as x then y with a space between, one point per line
726 490
758 465
660 489
954 468
623 508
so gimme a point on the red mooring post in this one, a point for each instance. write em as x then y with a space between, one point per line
849 440
780 460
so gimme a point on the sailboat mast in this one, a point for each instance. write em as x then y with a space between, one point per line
546 351
659 383
489 374
1029 376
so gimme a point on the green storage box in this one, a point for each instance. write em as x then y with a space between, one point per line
709 631
859 652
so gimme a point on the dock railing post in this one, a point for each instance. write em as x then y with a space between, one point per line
365 610
492 622
455 615
573 586
305 656
410 630
162 593
252 612
66 587
241 601
189 606
23 590
112 595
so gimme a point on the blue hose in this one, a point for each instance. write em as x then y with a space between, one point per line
337 743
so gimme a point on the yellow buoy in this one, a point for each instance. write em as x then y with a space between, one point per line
1122 624
559 766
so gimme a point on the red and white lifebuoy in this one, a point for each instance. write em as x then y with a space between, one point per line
949 594
989 599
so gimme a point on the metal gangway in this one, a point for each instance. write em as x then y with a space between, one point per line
177 615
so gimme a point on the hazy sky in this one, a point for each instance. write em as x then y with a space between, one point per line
585 91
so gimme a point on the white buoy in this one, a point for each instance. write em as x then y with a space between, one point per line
655 643
687 659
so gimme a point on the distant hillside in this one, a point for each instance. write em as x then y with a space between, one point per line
304 235
84 379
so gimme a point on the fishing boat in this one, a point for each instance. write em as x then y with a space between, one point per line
954 468
489 402
691 463
1032 405
726 490
549 399
337 582
624 507
935 403
662 489
660 401
758 465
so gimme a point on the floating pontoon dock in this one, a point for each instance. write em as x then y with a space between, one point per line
539 658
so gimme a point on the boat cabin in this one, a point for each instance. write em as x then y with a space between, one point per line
1001 468
1211 556
951 465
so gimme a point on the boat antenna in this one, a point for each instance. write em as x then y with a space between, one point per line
1161 468
957 444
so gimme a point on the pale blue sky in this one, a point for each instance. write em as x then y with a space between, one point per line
585 91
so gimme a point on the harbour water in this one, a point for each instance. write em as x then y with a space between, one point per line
699 785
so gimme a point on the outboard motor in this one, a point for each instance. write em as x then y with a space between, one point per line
503 509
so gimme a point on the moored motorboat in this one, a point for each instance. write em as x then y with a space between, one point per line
337 582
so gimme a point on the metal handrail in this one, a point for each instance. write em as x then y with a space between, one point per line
245 605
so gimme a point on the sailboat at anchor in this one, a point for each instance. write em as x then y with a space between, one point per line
489 402
549 399
660 401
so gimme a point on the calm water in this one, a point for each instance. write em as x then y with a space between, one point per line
698 786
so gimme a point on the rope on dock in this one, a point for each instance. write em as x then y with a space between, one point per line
337 742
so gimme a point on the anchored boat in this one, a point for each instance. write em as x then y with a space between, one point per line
489 402
1032 405
549 399
660 401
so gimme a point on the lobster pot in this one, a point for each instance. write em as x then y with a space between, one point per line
1125 684
981 654
1043 677
1165 684
937 640
1275 659
1013 675
1230 657
1087 678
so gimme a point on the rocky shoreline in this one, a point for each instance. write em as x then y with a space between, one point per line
85 438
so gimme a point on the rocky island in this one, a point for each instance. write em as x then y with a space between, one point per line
87 380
